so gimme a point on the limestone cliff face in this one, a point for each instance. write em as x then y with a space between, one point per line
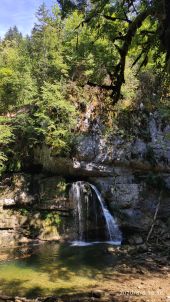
33 208
130 172
98 154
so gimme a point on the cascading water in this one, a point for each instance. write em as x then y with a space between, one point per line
77 192
112 227
93 221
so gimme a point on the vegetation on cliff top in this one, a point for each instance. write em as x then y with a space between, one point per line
97 52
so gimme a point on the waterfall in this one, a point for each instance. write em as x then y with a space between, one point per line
111 224
93 221
77 191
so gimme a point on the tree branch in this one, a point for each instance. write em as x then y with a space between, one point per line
119 71
116 18
105 87
134 25
118 38
145 32
155 217
144 50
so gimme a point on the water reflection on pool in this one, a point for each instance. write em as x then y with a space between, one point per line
54 269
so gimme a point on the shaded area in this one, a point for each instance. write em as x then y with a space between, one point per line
55 269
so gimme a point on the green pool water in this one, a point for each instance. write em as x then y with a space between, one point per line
55 269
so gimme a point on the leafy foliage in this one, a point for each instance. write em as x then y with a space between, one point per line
81 54
55 118
143 26
6 137
16 84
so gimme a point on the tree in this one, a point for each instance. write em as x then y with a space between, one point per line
147 21
17 86
46 48
54 118
6 137
13 34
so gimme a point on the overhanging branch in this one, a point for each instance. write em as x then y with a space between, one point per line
119 70
116 18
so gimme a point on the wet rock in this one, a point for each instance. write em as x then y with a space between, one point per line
136 239
167 181
8 202
142 248
111 250
139 149
49 233
98 293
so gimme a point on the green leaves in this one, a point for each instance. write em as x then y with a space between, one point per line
43 77
6 134
55 117
17 87
6 137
